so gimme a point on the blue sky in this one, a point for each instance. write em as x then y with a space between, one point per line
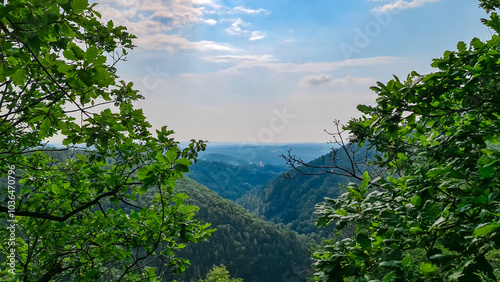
276 70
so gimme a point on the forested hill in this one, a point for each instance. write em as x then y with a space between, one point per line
250 247
292 200
232 181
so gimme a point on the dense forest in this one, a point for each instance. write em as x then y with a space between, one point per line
409 192
232 181
250 247
291 198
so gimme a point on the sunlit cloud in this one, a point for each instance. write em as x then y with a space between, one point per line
172 43
313 67
243 10
154 21
401 5
235 28
210 22
257 35
240 58
322 79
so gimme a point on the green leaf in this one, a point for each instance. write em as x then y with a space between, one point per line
91 54
439 222
364 241
402 156
482 199
406 262
181 168
428 268
364 109
68 54
64 68
171 155
434 172
143 173
486 229
183 162
461 46
80 5
44 128
364 183
19 77
416 201
390 276
163 159
355 193
79 53
487 171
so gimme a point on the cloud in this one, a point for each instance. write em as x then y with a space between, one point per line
153 21
313 67
240 58
172 43
316 80
168 13
257 35
210 22
243 10
235 28
401 5
312 80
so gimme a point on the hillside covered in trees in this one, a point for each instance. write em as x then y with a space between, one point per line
250 247
232 181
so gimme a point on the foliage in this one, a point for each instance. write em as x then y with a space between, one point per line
220 274
56 82
436 215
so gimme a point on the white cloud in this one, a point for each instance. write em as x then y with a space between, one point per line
257 35
316 80
172 43
210 22
179 13
312 80
314 67
401 5
152 21
240 59
235 28
241 9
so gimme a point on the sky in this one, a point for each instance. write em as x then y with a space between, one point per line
274 70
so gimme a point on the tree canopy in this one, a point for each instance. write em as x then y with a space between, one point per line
220 274
434 215
75 218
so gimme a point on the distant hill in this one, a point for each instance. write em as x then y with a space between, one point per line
250 247
223 158
266 153
233 181
292 201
